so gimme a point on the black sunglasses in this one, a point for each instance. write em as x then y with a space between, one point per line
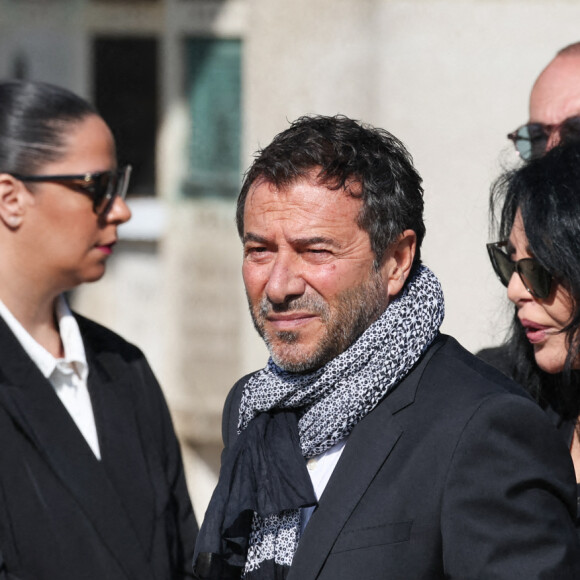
102 187
531 140
536 279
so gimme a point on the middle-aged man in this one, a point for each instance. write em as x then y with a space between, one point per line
371 445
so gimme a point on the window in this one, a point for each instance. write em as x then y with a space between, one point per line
213 89
126 95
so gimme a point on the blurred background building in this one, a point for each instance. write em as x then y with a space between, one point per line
192 88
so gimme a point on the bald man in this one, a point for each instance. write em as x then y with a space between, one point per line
554 106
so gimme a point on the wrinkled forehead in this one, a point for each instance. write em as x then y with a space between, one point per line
555 95
314 178
304 203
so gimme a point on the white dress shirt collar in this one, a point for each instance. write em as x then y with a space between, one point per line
68 375
74 350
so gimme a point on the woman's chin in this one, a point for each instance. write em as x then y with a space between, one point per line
88 276
550 364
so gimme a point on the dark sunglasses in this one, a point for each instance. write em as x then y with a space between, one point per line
102 187
531 140
534 276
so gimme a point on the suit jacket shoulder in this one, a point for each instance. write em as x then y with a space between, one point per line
456 474
498 357
104 340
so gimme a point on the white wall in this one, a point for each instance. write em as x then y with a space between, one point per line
449 78
455 80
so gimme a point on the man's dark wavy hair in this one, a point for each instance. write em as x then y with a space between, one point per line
369 163
547 192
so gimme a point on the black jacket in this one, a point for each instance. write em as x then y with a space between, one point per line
64 515
457 474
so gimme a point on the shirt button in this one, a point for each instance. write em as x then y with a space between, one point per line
311 463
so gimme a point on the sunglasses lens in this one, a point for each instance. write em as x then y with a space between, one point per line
111 185
531 141
124 176
103 185
535 277
502 265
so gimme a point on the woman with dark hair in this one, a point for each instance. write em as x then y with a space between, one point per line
91 479
537 210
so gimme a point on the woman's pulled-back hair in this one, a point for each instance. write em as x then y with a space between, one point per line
547 193
33 121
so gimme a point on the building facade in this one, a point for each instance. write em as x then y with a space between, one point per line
192 88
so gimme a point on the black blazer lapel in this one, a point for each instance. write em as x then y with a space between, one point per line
367 449
363 456
29 398
122 445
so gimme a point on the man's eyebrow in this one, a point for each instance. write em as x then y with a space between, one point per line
250 237
299 242
314 240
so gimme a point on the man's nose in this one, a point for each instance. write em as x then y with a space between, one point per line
285 279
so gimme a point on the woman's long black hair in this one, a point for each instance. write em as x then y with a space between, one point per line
547 192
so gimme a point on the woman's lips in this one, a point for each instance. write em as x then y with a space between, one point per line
535 332
106 248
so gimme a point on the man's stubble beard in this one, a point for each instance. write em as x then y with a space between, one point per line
355 310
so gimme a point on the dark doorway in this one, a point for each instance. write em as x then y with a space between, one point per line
126 95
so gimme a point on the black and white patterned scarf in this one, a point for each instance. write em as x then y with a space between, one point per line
327 404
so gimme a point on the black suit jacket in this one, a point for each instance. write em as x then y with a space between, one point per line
456 474
64 515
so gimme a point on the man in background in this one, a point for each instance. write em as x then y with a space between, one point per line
554 106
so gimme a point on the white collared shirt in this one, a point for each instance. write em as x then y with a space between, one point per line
68 376
320 469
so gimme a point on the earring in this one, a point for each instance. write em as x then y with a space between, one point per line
13 221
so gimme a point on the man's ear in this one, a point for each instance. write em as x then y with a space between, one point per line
12 200
398 262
